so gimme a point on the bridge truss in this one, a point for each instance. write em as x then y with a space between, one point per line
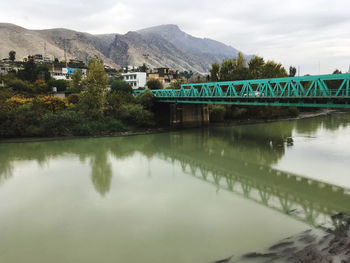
307 91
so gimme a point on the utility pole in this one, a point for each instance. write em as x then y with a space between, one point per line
65 52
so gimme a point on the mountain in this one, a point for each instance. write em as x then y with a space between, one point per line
160 46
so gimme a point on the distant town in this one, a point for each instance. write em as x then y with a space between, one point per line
136 76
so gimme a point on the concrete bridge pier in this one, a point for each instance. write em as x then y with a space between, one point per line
189 115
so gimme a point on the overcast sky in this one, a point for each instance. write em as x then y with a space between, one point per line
311 34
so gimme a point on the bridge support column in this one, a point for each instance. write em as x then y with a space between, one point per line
189 115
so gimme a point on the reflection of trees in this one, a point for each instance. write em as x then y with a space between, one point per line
261 144
101 170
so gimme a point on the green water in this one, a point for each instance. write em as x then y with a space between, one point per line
192 196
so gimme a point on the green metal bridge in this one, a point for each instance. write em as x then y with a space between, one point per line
331 91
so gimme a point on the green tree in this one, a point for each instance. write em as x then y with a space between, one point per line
255 67
154 84
12 55
146 99
292 71
29 73
143 68
122 86
214 72
93 100
75 84
274 70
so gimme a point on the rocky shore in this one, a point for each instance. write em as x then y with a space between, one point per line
311 246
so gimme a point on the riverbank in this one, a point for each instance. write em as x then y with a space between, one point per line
303 115
313 246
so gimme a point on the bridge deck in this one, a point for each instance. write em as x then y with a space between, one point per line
307 91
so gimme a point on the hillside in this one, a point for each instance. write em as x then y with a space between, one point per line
161 46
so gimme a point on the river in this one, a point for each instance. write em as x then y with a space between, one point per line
197 195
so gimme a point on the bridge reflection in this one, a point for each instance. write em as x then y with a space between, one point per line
238 159
305 199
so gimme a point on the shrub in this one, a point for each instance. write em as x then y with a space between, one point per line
17 101
82 129
135 114
122 86
59 123
51 103
146 99
154 84
73 98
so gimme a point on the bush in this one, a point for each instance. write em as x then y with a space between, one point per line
135 114
60 123
82 129
18 85
122 86
217 113
51 103
146 99
73 98
17 101
154 84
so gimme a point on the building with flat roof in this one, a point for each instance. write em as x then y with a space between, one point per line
165 75
135 79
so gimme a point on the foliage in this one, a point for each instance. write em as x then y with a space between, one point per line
122 86
75 84
214 72
33 72
12 55
146 99
186 74
60 84
255 67
18 85
154 84
51 103
135 114
292 71
93 99
176 84
143 68
73 98
237 69
17 101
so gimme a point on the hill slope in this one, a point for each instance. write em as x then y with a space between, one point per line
161 46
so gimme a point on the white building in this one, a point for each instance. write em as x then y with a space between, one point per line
135 79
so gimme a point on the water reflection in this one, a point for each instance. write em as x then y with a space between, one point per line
237 159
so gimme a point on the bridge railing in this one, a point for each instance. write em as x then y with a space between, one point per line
319 86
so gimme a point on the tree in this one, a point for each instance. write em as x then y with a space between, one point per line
272 69
292 71
154 84
12 55
29 73
143 68
214 72
122 86
76 81
93 100
255 67
337 71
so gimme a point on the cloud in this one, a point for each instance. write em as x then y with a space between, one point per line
292 32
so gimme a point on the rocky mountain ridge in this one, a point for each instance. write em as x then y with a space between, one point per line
160 46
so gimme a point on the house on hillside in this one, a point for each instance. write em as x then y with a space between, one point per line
135 79
165 75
